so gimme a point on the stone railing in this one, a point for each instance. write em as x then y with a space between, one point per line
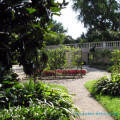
106 44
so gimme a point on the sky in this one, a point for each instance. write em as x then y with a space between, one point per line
69 20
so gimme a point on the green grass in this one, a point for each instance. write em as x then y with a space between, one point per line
62 89
110 103
58 87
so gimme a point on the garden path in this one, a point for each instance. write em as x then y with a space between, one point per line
82 97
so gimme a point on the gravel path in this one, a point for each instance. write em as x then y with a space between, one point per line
85 102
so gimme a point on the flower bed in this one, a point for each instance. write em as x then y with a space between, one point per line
63 72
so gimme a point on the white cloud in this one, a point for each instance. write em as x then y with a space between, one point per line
69 20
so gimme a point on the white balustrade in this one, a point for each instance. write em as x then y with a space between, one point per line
105 44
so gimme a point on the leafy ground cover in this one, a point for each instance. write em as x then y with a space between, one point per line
108 85
36 101
111 103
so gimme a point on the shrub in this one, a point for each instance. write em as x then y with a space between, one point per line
108 86
116 61
63 72
53 104
34 112
8 79
48 73
110 69
21 94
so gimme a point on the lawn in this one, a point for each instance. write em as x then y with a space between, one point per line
110 103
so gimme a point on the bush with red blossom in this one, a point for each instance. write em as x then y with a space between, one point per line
63 72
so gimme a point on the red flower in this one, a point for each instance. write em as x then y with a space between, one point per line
48 73
64 72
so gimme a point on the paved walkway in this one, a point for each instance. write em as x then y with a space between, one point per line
82 98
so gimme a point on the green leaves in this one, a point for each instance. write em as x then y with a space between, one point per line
116 61
76 57
49 27
35 112
58 14
55 9
108 86
8 79
35 101
57 58
22 29
100 59
99 15
31 10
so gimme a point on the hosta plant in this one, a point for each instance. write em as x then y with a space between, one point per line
53 104
34 112
108 85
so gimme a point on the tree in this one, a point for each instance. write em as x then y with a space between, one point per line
98 14
101 17
57 36
97 36
54 39
58 27
68 40
57 58
23 24
81 39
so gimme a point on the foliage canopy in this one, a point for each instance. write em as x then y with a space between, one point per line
23 24
98 14
22 27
